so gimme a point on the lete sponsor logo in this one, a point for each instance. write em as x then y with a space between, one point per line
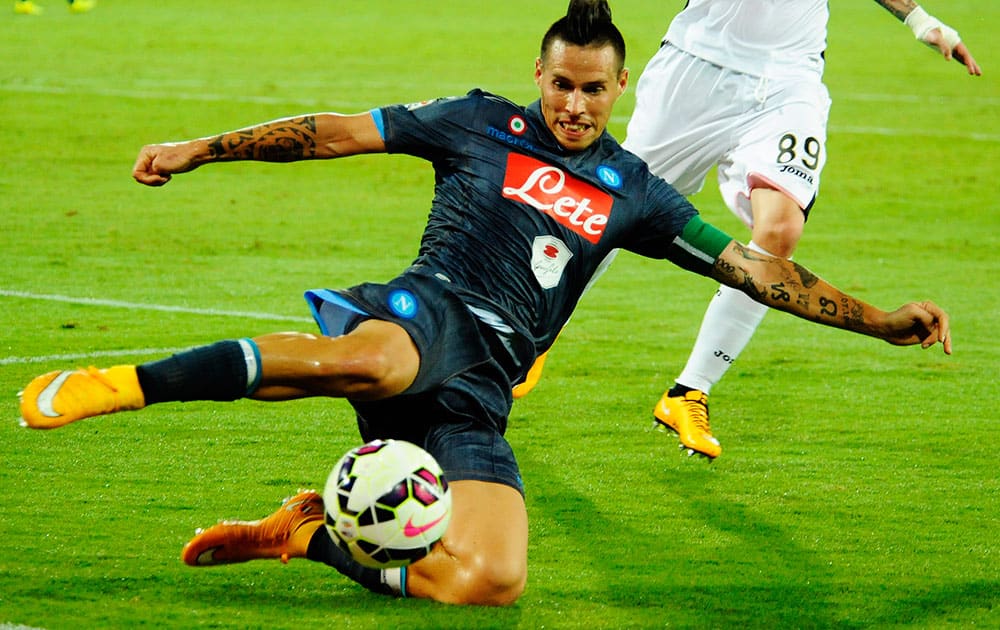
575 204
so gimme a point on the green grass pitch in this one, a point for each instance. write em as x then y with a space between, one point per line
859 484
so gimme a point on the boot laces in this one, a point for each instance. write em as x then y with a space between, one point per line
698 410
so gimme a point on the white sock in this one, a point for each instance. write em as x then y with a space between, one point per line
395 580
729 323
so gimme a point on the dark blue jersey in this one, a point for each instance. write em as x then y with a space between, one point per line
518 225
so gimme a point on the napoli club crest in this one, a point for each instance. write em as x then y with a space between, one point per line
403 303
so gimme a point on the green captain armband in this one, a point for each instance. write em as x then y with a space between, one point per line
702 240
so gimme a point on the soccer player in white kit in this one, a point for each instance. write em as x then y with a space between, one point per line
738 84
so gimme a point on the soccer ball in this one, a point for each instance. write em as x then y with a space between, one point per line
387 503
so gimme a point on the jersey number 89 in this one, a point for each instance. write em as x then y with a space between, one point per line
788 147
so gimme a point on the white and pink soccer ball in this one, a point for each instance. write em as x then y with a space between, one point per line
387 503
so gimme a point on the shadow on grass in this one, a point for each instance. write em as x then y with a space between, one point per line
325 597
944 605
753 576
245 596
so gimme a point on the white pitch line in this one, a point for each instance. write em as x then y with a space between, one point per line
131 306
175 90
86 355
149 95
945 100
925 133
136 306
891 132
205 96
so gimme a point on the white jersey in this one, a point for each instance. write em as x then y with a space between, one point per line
763 38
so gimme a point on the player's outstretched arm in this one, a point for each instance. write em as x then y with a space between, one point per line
307 137
932 32
788 286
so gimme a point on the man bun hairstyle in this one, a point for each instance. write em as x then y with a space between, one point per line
586 23
584 18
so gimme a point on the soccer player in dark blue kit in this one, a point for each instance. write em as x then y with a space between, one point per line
528 202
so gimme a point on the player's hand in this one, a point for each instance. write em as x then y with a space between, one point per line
950 48
925 323
962 55
157 162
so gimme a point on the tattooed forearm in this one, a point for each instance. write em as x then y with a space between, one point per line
788 286
280 141
833 307
739 278
899 8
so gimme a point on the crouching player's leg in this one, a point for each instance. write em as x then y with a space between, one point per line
483 556
481 559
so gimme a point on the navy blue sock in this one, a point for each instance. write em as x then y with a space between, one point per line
220 371
323 549
679 390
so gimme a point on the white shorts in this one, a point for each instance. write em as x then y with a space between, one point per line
691 115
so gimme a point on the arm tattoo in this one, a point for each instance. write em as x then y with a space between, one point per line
807 277
854 316
791 287
828 307
740 276
899 8
778 292
280 141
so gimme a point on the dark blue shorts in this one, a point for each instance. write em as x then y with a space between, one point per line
465 451
458 405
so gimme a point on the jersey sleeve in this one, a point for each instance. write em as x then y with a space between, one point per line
698 246
428 129
674 230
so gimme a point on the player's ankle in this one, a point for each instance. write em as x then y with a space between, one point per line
679 390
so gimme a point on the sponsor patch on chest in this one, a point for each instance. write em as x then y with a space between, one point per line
575 204
549 256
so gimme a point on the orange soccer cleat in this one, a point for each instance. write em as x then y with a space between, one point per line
58 398
687 416
284 534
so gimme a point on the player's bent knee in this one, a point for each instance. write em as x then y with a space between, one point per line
457 575
489 584
778 238
507 588
501 582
